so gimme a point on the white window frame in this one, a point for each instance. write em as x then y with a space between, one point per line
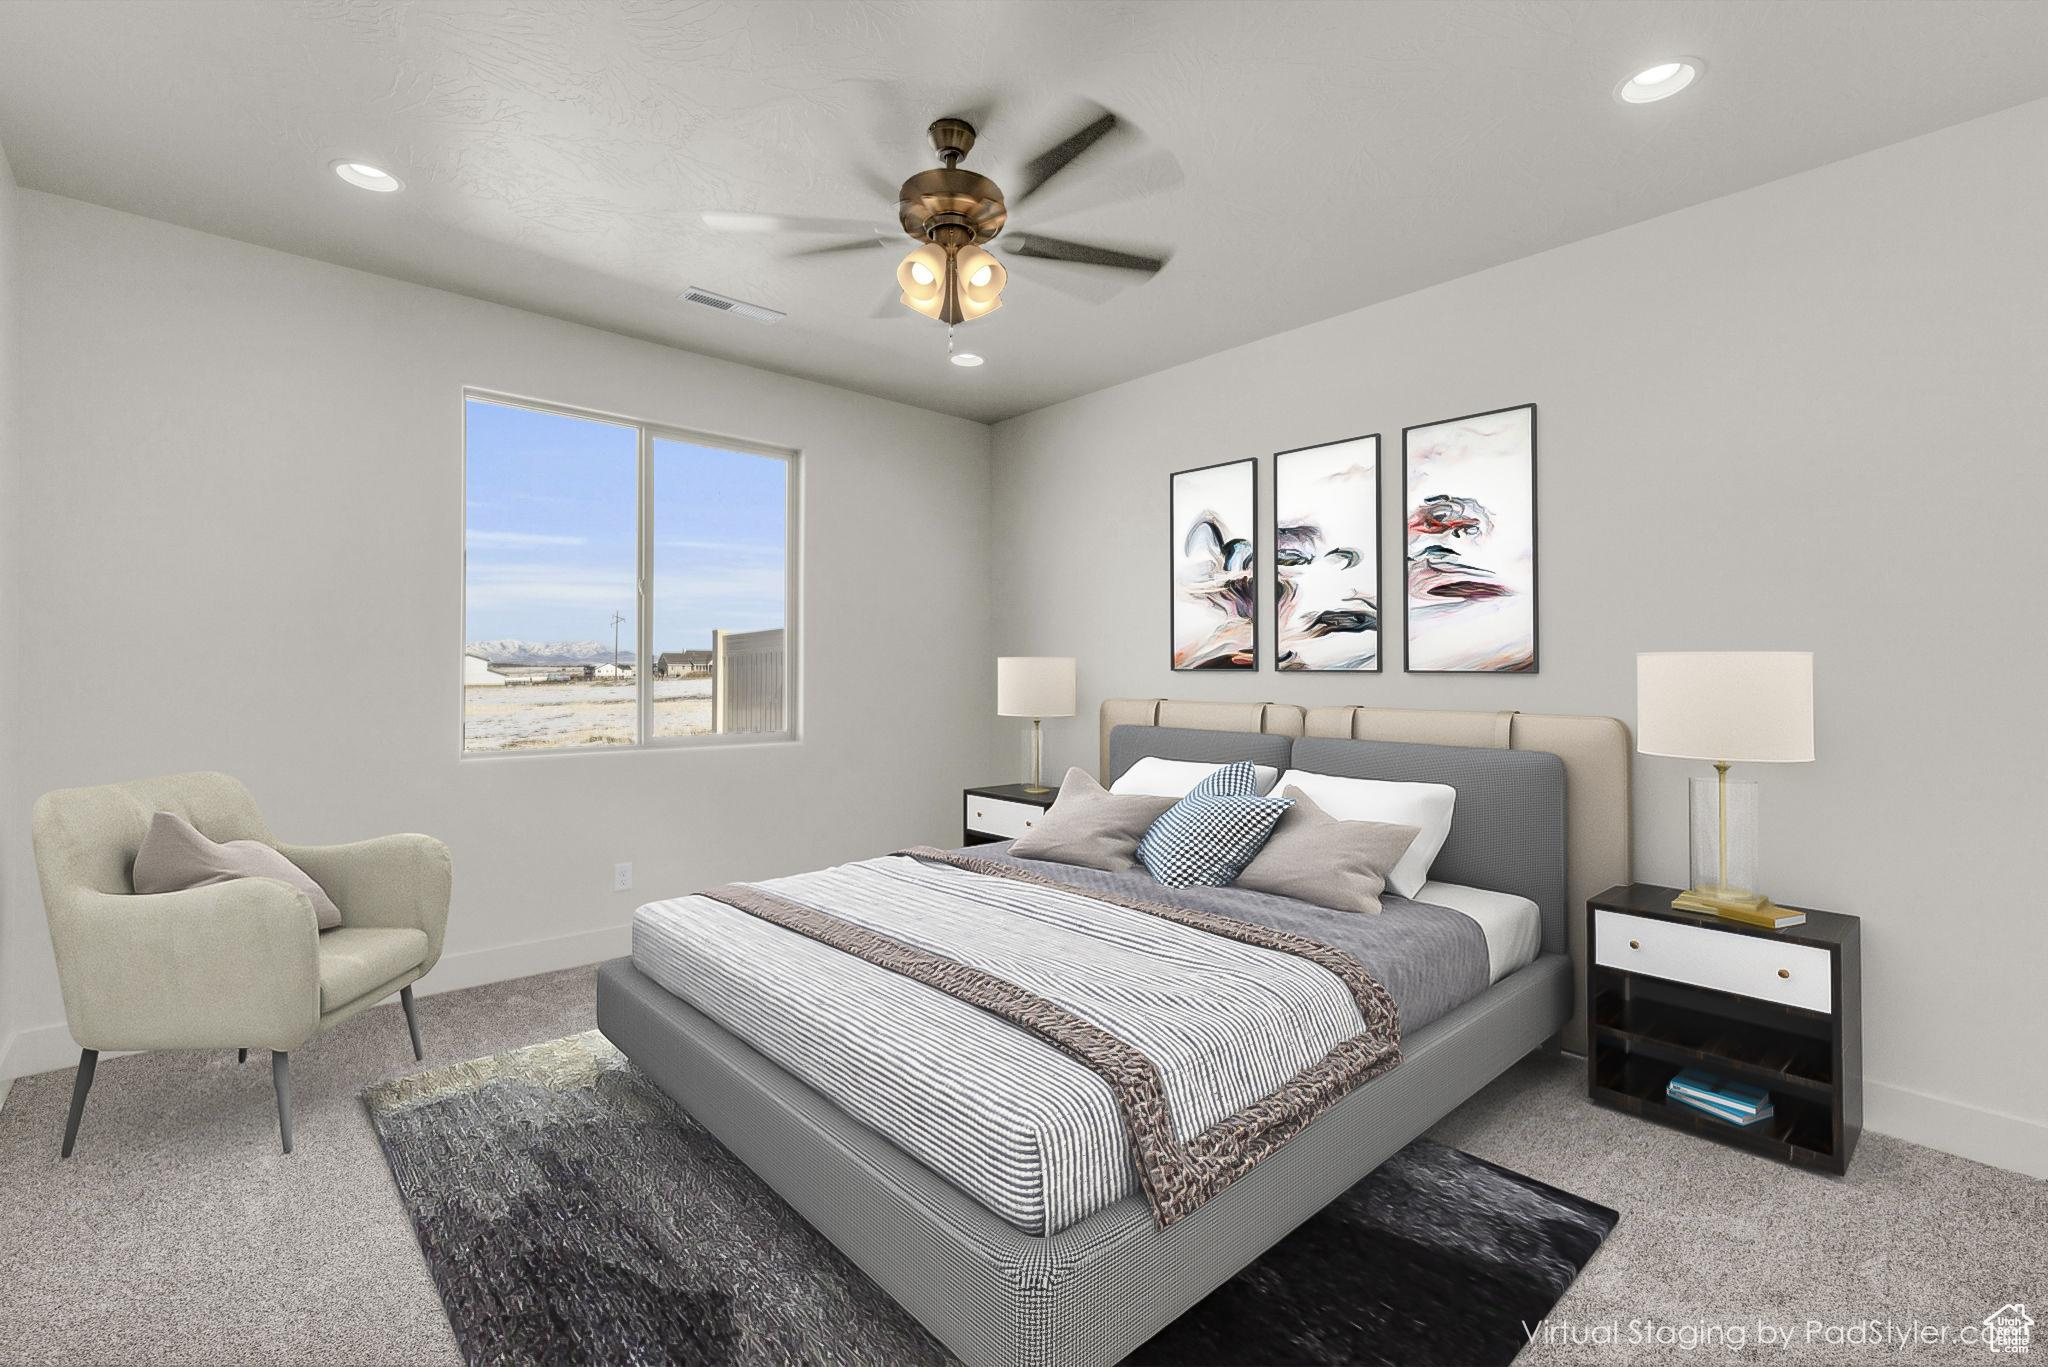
643 595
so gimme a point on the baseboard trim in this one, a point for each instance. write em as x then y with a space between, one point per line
1975 1132
502 963
41 1049
44 1048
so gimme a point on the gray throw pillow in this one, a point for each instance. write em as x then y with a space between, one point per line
175 856
1313 857
1090 827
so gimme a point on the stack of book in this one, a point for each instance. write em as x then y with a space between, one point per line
1768 915
1738 1103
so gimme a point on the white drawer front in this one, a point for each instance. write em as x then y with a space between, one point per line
1796 975
997 817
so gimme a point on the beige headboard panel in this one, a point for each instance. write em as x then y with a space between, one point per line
1595 751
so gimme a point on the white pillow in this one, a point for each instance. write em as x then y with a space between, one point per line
1154 777
1425 806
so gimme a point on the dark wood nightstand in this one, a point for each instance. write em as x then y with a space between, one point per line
1001 812
1778 1009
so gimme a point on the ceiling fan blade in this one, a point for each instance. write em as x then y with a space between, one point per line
730 221
877 184
1080 253
1153 172
834 248
1075 282
1064 153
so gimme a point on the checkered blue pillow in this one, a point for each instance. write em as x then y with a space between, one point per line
1229 780
1205 840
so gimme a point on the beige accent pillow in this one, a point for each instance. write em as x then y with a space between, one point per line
1090 827
1313 857
175 856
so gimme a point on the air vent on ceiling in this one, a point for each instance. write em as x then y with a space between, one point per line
738 308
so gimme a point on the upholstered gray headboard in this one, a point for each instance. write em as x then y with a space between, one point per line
1129 744
1507 831
1595 752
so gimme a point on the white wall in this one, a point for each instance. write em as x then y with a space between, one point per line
10 523
1810 416
243 551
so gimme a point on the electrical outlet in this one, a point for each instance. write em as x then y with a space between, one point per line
622 877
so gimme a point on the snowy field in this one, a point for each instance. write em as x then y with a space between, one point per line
526 716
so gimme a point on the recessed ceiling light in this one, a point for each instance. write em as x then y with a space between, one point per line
1660 82
364 176
966 358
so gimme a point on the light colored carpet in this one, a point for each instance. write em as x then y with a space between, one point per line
180 1234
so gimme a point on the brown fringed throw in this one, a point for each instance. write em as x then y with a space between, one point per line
1177 1176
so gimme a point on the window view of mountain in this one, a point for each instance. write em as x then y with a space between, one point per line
518 652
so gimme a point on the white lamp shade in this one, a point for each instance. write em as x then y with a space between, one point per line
1034 686
1738 706
978 301
926 295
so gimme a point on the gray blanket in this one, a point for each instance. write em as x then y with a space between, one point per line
1430 959
1010 1118
1015 947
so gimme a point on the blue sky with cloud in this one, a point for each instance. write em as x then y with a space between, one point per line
552 530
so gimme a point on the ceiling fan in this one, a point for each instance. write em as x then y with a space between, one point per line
953 214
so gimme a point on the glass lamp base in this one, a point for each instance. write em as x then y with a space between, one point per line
1723 849
1724 830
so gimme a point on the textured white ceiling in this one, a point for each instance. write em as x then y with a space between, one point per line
1301 160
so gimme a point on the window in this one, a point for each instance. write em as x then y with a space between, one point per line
594 544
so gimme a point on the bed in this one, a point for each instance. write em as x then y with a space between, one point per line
1093 1282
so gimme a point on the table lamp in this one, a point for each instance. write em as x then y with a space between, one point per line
1730 707
1035 686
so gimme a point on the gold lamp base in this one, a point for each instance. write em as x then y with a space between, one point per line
1716 900
1733 904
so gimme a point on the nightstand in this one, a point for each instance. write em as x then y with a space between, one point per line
1002 812
1778 1009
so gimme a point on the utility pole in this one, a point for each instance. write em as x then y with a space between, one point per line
618 619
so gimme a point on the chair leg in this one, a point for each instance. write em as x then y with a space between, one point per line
281 1079
241 1055
88 1059
412 1021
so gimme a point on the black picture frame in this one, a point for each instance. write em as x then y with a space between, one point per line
1379 509
1535 547
1174 537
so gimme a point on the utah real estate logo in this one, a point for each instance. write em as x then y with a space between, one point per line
2008 1329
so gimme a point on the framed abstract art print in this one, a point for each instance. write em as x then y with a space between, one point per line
1468 499
1214 512
1326 562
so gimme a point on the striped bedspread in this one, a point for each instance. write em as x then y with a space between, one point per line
1047 1049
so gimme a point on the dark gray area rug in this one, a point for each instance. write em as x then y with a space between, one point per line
571 1213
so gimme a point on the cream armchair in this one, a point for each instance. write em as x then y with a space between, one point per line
239 965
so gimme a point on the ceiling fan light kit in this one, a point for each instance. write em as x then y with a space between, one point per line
952 214
951 284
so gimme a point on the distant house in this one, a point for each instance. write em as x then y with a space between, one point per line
676 664
477 672
611 671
